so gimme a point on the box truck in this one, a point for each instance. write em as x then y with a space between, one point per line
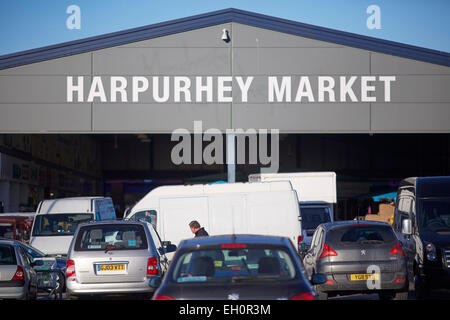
316 192
269 208
57 219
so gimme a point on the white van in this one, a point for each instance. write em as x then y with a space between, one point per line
57 219
316 193
269 208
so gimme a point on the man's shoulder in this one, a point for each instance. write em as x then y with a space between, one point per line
202 232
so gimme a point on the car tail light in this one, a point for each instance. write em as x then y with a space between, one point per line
399 280
299 239
329 282
327 251
304 296
19 275
397 249
162 297
152 266
70 269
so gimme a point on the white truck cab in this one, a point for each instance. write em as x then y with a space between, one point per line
56 221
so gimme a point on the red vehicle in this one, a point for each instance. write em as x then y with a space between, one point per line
16 226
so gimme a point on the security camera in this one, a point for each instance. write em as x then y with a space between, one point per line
225 35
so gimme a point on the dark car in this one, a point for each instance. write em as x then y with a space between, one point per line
422 223
236 267
358 257
17 276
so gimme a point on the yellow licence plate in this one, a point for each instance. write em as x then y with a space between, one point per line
364 277
111 267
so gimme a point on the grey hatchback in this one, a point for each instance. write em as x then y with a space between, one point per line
17 276
358 257
111 257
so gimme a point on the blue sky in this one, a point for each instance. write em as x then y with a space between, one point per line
26 24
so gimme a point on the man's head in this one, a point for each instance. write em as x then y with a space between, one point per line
194 225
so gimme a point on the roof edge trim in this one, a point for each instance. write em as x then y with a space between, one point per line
220 17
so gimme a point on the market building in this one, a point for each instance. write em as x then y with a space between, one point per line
96 115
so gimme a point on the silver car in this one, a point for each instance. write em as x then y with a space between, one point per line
111 257
17 276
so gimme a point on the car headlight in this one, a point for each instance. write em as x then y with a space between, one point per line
430 251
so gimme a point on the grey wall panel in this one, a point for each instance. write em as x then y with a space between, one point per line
45 117
387 64
247 36
79 64
410 117
325 61
37 89
204 37
322 117
418 88
162 61
158 118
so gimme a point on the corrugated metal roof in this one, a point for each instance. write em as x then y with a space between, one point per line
220 17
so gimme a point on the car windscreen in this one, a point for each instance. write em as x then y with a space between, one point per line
7 255
314 216
147 216
33 252
6 230
64 224
361 234
434 215
111 237
230 265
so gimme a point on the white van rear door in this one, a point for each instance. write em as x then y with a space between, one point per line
227 214
274 213
176 213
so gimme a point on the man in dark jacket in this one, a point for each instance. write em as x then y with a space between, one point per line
197 230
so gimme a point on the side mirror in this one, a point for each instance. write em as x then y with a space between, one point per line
407 227
171 248
155 282
167 248
318 278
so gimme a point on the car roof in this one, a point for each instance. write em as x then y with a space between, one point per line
331 225
100 222
8 241
233 238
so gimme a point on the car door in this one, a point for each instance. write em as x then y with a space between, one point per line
311 255
405 210
27 268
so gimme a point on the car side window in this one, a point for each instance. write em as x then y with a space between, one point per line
149 216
